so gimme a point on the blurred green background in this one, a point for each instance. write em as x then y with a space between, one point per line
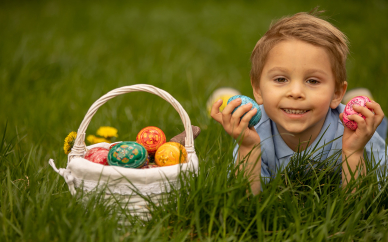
58 57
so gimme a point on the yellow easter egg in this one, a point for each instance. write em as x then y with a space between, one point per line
170 153
223 93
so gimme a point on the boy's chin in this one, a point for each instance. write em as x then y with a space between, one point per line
294 130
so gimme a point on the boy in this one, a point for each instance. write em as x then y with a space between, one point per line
298 77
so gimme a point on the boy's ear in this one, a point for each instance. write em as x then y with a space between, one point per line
338 95
257 93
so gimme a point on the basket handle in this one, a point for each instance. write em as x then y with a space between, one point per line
78 149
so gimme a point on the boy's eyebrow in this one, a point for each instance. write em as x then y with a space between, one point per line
317 70
282 69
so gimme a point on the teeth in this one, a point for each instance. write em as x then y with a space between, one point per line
295 111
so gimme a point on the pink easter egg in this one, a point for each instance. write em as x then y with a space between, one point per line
359 100
98 155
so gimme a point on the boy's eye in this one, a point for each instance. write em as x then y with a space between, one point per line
280 79
312 81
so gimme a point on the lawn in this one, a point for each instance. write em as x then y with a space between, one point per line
58 57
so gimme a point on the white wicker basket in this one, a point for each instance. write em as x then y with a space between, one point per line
83 174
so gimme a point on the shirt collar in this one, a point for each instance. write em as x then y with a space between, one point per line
327 133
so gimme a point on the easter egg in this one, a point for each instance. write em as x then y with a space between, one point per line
97 155
170 153
113 144
245 100
359 100
151 138
147 162
223 93
149 166
128 154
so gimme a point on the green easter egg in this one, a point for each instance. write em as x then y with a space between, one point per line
128 154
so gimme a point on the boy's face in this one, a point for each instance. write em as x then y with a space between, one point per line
297 87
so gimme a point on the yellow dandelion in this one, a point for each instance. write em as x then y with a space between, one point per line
107 132
92 139
69 142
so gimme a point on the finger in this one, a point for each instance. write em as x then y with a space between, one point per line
216 107
215 111
363 111
372 118
361 123
227 112
245 120
379 113
231 106
240 111
341 115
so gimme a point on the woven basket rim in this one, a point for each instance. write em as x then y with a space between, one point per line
79 148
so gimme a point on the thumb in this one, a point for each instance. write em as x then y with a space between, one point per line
341 115
215 111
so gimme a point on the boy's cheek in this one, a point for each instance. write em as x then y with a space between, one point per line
258 96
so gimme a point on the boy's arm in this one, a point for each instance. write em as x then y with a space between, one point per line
353 142
237 127
252 166
352 163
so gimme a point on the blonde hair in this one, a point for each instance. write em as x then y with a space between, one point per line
307 27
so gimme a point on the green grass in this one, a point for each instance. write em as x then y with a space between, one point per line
58 57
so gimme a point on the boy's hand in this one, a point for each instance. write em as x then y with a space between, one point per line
355 141
232 124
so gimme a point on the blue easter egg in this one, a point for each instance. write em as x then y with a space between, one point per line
245 100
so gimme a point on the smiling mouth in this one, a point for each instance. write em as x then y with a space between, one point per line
295 111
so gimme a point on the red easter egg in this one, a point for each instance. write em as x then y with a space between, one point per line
98 155
151 138
92 151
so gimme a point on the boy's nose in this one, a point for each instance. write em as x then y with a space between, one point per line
296 91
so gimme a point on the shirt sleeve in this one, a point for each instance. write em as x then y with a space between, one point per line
376 151
265 172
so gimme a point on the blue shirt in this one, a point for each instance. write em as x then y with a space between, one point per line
275 153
